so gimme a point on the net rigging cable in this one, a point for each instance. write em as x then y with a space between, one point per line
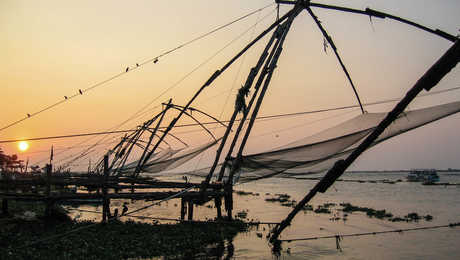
137 66
209 123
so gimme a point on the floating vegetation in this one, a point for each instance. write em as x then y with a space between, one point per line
308 207
380 214
246 193
114 240
282 198
322 210
242 214
383 214
347 208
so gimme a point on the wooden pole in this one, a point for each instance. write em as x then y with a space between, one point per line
249 81
183 208
228 199
251 102
48 179
216 74
49 201
106 202
190 210
443 66
143 160
284 29
218 203
334 48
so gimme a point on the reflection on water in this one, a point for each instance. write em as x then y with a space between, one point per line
223 250
400 198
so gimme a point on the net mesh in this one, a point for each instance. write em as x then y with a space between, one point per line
169 159
319 152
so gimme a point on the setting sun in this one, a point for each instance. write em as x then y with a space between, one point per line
23 146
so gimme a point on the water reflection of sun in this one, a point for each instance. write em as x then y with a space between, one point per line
23 146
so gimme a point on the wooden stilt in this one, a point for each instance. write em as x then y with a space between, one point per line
106 202
218 203
183 208
229 200
190 210
49 202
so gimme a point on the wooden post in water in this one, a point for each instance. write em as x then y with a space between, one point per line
229 199
5 201
190 210
48 179
106 201
218 203
49 202
183 208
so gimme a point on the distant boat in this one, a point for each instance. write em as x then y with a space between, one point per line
423 175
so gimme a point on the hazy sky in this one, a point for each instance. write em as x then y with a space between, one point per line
51 49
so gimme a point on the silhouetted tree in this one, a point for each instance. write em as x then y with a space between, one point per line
10 162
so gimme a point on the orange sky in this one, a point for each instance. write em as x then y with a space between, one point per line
51 49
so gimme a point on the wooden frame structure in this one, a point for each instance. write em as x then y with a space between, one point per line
108 176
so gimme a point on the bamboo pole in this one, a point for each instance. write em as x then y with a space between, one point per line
251 102
218 204
228 200
106 202
49 202
152 196
145 158
374 13
249 81
190 210
183 208
434 74
339 59
273 63
216 74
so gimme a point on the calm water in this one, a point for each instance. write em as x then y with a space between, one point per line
442 202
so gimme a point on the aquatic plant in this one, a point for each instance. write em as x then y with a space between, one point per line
114 240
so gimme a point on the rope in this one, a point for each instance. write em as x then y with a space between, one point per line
191 72
159 202
128 69
241 64
450 225
140 111
176 219
208 123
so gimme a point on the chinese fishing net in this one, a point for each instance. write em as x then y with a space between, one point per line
319 152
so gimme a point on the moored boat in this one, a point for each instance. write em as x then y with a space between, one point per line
423 175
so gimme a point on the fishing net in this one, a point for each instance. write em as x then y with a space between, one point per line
170 159
165 154
319 152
